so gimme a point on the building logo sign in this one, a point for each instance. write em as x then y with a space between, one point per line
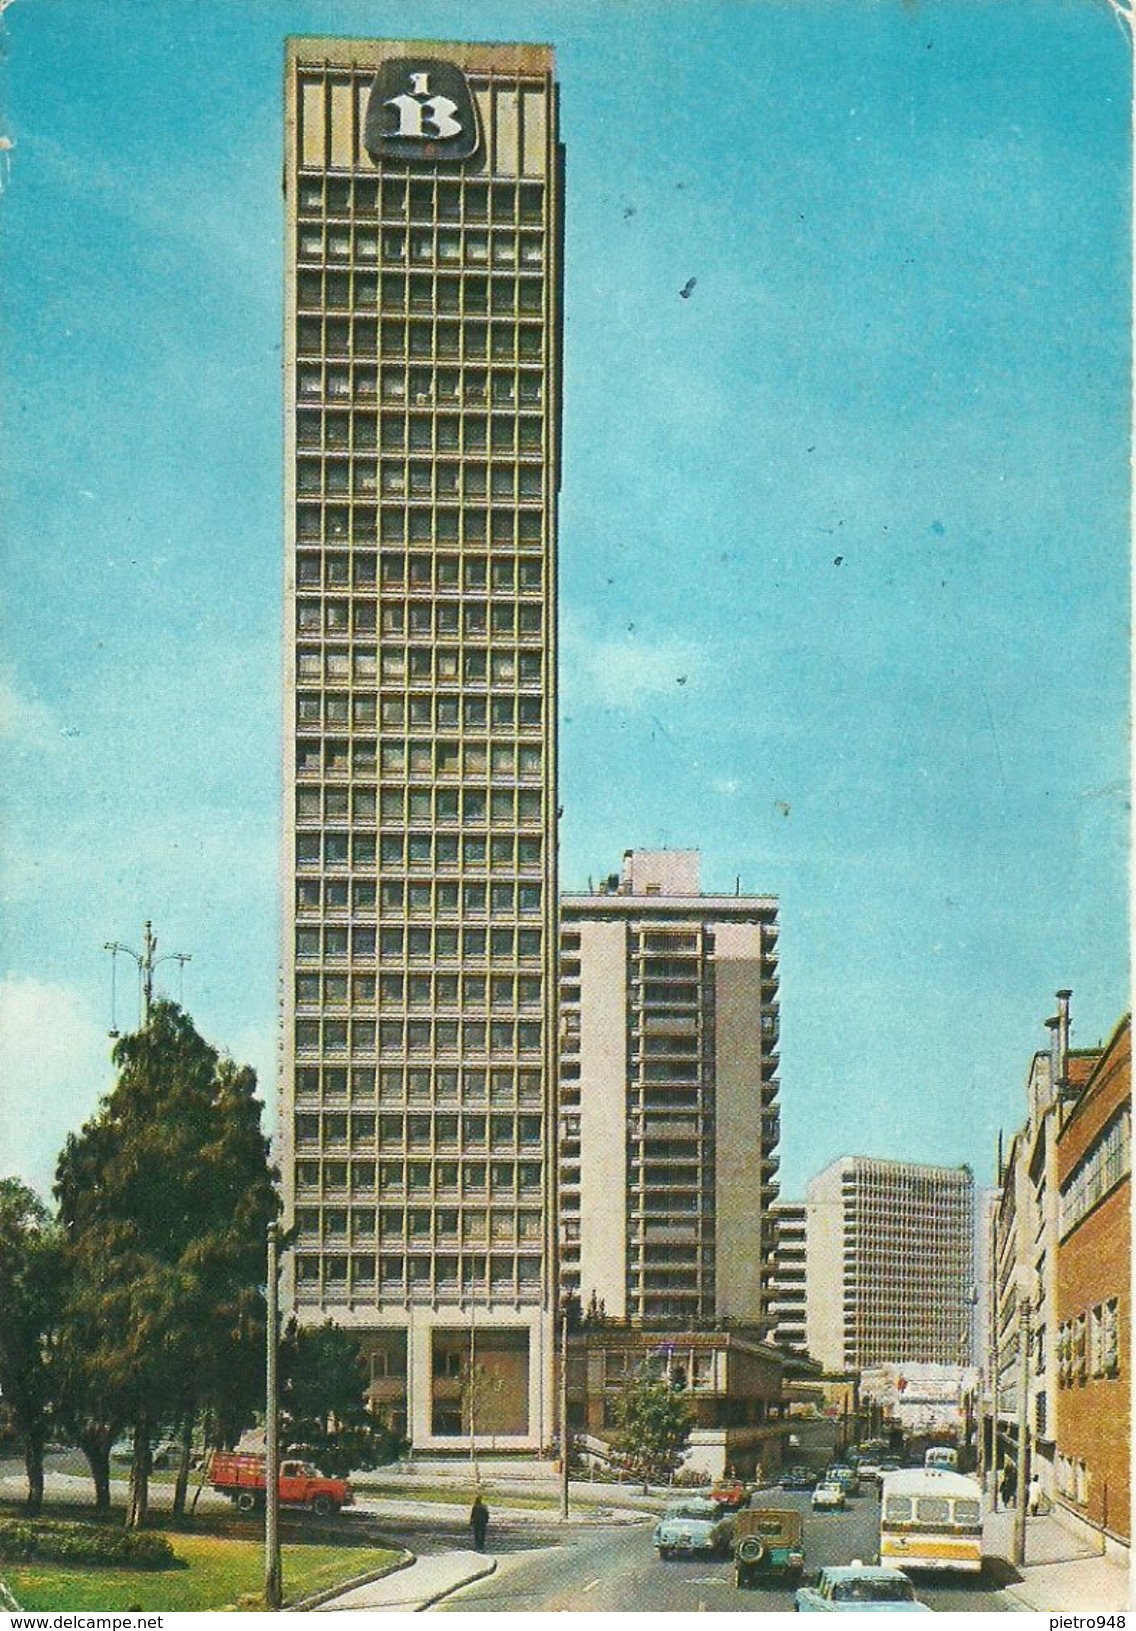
420 108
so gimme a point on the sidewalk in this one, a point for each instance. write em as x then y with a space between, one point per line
407 1591
1062 1572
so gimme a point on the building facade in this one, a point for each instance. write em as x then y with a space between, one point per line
890 1247
730 1381
1022 1327
1093 1295
423 188
788 1294
669 1119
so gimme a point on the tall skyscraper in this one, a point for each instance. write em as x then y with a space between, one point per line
668 1095
890 1264
423 187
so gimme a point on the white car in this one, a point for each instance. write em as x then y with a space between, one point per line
829 1498
694 1525
861 1589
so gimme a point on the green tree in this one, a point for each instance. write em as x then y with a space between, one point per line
323 1403
653 1427
165 1197
90 1413
30 1283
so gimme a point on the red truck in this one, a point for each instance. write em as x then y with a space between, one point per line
241 1478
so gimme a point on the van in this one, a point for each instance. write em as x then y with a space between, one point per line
942 1455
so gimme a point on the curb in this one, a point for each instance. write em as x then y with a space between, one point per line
317 1598
448 1591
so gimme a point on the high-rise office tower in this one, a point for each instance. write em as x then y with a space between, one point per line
668 1095
890 1255
423 187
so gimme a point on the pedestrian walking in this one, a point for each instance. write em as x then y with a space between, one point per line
478 1522
1009 1484
1034 1497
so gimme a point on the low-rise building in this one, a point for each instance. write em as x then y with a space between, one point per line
1093 1295
730 1379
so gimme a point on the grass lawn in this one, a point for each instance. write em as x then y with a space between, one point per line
217 1573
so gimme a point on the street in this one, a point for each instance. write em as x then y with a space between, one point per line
616 1571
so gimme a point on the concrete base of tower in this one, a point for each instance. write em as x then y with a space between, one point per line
447 1379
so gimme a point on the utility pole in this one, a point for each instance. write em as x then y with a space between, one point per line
147 963
995 1278
273 1583
564 1438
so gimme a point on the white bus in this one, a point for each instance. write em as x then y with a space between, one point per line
931 1518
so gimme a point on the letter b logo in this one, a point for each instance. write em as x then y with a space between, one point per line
420 109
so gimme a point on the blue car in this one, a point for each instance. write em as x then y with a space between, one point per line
798 1478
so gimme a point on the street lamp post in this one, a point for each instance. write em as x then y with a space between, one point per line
564 1441
472 1387
147 963
273 1582
995 1337
1023 1449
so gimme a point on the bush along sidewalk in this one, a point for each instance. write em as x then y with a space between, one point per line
83 1543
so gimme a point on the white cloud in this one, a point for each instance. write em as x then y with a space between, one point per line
26 722
54 1065
627 673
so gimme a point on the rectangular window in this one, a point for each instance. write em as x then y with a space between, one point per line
1110 1338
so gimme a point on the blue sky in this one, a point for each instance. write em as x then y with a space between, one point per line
845 545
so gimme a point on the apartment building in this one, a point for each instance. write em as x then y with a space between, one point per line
423 211
788 1293
668 1096
890 1249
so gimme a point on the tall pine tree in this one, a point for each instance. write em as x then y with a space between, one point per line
165 1197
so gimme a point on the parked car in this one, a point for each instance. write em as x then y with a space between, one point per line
730 1494
768 1542
798 1478
166 1453
695 1525
847 1477
859 1587
829 1497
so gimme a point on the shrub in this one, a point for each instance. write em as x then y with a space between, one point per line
23 1541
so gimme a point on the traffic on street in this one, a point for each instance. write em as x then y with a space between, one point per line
612 1569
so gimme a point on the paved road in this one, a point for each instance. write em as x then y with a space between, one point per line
618 1570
